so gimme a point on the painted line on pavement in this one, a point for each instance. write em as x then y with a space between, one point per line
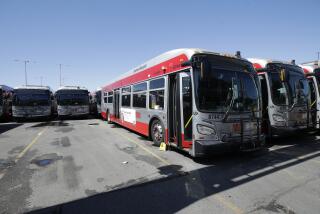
235 209
143 147
34 141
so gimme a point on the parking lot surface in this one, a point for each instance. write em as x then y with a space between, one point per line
89 166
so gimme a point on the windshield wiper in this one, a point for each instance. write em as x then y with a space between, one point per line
226 115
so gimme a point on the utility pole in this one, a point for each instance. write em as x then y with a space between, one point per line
25 69
60 74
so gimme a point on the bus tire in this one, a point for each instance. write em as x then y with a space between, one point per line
157 132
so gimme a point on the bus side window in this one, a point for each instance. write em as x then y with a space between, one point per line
156 94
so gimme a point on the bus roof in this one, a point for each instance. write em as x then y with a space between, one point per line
33 87
6 88
262 63
308 69
312 63
167 62
72 88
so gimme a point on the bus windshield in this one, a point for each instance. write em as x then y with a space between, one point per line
293 91
225 85
31 99
73 99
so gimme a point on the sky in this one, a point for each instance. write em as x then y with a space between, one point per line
96 40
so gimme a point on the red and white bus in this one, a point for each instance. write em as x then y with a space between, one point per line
312 72
196 100
286 96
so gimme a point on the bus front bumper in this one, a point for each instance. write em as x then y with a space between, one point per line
31 115
207 147
289 130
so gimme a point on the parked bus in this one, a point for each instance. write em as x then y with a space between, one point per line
72 101
196 100
32 102
5 102
312 72
285 95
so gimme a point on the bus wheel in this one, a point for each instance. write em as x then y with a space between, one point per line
157 132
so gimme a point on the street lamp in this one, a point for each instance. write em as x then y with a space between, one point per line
25 69
60 73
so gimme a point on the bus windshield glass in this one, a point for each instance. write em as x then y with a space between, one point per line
73 98
31 97
293 91
225 85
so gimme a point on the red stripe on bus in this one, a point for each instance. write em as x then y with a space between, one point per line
185 143
165 67
257 66
104 115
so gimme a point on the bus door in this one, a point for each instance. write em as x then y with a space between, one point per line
116 103
265 103
313 92
180 109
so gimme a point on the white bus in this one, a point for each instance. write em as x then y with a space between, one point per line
286 97
32 102
196 100
72 101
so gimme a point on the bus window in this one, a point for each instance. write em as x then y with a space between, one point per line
105 100
110 99
140 87
156 99
126 100
139 100
158 83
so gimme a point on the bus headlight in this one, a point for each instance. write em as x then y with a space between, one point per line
205 130
278 118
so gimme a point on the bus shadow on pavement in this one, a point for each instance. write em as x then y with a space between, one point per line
4 127
180 190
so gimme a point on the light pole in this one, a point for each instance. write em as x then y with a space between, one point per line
25 69
60 73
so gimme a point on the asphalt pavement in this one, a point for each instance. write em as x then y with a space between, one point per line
89 166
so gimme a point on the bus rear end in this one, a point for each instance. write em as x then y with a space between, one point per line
227 105
72 101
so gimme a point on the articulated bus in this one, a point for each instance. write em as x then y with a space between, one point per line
196 100
5 102
32 102
286 97
312 72
72 101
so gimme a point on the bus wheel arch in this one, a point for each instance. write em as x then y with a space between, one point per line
156 131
